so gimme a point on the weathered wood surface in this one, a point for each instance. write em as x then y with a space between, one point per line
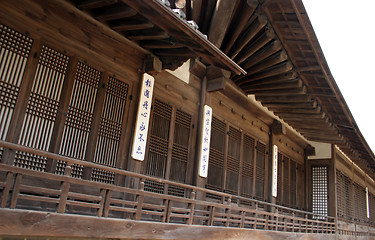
41 224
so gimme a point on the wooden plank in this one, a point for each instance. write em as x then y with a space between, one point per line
115 12
42 224
90 4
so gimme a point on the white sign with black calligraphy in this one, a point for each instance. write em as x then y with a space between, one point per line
143 117
205 141
274 171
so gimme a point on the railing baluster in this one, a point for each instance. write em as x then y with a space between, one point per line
65 186
140 198
242 225
103 193
169 210
16 190
191 208
211 216
8 184
228 212
107 203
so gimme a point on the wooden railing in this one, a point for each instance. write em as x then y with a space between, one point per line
29 189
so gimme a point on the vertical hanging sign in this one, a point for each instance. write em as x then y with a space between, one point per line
274 171
367 203
205 141
143 117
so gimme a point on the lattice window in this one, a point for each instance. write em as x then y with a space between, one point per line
158 155
286 181
110 129
233 161
14 52
260 170
320 190
79 117
300 193
216 159
372 208
248 166
360 203
42 107
293 184
158 145
180 151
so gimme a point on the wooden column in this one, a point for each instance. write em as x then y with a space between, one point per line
58 129
96 118
332 184
19 113
199 70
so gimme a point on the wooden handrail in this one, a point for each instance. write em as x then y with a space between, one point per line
314 218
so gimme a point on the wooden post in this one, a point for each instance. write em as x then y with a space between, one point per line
107 203
191 208
65 186
19 113
59 125
140 198
96 119
8 184
16 190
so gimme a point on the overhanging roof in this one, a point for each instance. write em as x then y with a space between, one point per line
271 42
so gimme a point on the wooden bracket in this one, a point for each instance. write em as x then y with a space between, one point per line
197 68
310 151
216 78
278 128
152 65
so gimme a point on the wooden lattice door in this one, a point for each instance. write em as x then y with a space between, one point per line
169 152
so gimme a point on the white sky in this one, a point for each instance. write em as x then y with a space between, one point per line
346 33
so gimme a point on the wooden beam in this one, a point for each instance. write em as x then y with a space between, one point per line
220 21
270 80
297 83
320 115
295 110
269 72
248 35
308 68
130 25
150 35
310 151
282 92
175 52
249 50
239 22
290 105
118 11
161 44
36 224
269 62
285 99
91 4
262 54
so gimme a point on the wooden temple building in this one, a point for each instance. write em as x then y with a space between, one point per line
157 119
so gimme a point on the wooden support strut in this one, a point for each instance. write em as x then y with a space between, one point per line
216 78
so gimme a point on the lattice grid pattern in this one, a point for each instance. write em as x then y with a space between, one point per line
260 170
155 163
216 158
180 151
79 116
14 51
320 190
110 129
233 161
248 166
42 107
